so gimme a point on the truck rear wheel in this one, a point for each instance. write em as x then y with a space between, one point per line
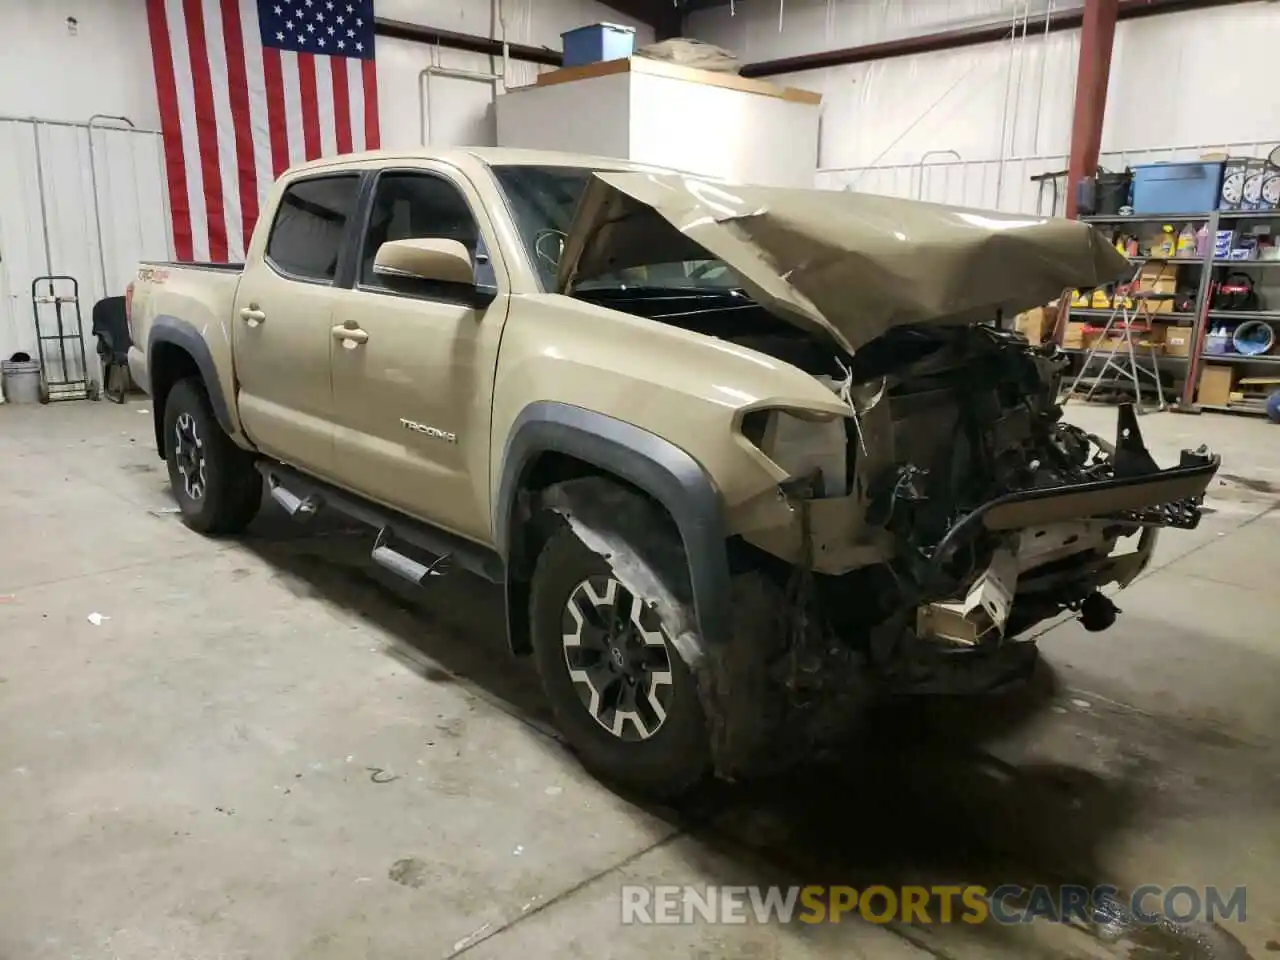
621 694
214 481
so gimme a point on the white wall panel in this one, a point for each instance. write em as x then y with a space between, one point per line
131 202
105 67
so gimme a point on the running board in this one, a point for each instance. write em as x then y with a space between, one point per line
387 557
302 496
293 505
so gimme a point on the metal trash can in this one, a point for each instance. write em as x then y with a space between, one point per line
20 379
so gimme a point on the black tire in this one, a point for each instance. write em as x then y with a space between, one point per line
227 495
676 756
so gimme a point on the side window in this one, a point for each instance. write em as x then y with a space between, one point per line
414 206
306 237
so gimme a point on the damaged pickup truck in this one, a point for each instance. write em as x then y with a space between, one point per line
740 456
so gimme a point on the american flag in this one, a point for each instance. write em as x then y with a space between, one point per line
246 89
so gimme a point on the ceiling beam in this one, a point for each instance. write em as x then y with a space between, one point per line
962 37
463 41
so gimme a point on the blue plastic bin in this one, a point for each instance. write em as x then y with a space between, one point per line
597 42
1176 187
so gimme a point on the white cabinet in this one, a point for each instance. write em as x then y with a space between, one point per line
692 120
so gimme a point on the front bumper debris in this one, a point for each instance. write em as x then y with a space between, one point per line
1138 493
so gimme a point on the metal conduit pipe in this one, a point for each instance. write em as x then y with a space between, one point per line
93 180
920 166
424 93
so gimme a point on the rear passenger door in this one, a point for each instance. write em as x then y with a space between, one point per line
413 396
280 325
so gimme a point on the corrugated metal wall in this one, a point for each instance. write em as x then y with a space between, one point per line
48 222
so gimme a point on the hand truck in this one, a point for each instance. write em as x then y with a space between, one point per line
70 380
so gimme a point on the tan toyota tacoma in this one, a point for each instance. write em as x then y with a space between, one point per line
741 456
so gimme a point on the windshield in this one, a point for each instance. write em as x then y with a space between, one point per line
543 201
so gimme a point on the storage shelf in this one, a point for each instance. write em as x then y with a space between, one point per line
1234 408
1134 314
1246 263
1142 352
1248 214
1145 218
1166 217
1238 358
1176 261
1244 315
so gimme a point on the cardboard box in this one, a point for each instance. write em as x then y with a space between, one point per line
1073 335
1177 341
1036 325
1157 278
1215 385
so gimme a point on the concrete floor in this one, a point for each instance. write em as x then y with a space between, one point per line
197 776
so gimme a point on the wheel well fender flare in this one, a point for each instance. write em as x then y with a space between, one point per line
182 335
668 474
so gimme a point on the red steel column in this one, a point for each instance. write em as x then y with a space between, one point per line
1097 34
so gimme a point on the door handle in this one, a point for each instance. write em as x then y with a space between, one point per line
252 315
350 335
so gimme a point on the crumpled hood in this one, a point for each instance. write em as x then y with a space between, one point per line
849 266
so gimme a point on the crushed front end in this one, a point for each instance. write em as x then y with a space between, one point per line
967 512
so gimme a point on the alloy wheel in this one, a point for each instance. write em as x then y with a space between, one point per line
618 658
189 455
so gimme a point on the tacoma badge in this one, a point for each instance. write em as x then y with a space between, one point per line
434 432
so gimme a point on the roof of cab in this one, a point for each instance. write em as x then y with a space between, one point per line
492 156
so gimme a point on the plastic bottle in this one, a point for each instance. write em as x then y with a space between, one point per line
1216 342
1186 247
1163 247
1202 241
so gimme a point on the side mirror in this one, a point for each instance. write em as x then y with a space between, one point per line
442 261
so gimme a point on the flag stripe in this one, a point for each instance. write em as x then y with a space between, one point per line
246 89
167 95
310 105
355 100
273 74
293 108
324 106
261 130
229 211
187 125
206 129
341 104
242 121
371 138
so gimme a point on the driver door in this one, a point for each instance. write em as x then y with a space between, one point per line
413 361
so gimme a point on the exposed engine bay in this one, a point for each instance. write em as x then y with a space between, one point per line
980 511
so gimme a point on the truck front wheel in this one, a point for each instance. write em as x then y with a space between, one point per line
621 694
214 481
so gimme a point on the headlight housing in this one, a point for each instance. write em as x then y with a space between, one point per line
801 442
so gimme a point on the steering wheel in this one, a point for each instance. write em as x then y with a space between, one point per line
548 237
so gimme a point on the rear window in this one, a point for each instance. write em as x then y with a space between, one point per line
306 238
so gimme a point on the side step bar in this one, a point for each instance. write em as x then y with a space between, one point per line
302 496
405 566
293 505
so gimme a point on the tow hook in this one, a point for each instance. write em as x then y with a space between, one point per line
1097 612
